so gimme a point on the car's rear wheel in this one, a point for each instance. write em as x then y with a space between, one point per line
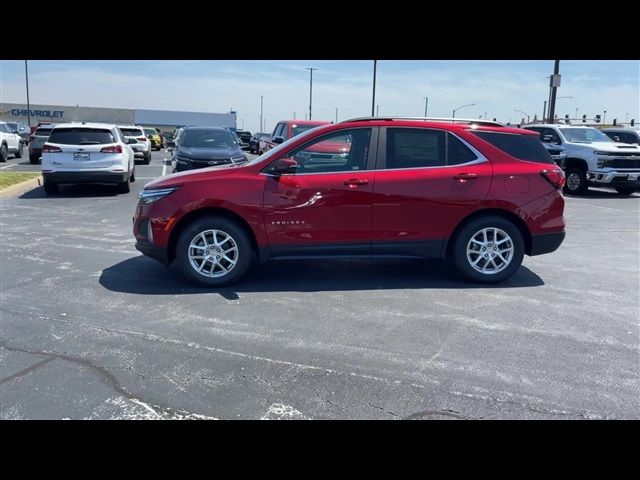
576 183
147 158
3 153
20 150
213 252
51 188
488 249
133 175
125 187
625 191
34 160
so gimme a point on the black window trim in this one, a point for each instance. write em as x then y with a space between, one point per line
382 150
371 160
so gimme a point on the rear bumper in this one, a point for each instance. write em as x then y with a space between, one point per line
546 243
84 177
153 251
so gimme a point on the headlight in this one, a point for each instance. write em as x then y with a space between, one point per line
182 159
241 158
153 194
600 163
596 152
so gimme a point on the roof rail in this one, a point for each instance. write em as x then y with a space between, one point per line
429 119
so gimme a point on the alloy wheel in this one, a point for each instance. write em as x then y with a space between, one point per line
490 250
213 253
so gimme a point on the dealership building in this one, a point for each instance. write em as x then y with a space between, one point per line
165 120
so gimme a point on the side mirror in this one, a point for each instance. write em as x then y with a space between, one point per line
284 166
278 139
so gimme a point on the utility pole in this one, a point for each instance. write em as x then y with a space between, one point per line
604 118
426 105
554 83
336 108
261 112
26 76
373 98
378 111
310 87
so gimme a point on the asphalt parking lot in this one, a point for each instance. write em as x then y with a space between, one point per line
92 329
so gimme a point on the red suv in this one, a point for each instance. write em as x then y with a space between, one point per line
287 129
477 193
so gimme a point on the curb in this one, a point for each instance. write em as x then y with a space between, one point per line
21 187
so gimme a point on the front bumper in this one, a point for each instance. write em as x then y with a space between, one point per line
153 251
85 177
613 178
546 243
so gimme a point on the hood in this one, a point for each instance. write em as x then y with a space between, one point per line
209 153
180 178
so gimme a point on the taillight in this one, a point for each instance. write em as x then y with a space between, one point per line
141 139
112 149
50 148
555 177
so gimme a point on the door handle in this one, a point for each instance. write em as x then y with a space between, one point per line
465 176
356 181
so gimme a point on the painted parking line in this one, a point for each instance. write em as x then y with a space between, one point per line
9 166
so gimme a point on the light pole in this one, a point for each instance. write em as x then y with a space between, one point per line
373 97
604 118
576 113
261 112
456 109
524 113
26 77
310 87
378 111
336 109
426 105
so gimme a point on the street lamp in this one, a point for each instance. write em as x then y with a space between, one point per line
456 109
261 112
26 77
310 87
426 105
378 111
336 109
524 113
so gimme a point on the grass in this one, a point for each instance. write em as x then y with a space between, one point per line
11 178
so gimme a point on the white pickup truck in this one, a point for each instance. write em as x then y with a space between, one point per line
592 158
10 142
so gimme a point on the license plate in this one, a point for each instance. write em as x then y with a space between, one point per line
81 157
633 176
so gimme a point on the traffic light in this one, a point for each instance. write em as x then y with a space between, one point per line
584 119
597 118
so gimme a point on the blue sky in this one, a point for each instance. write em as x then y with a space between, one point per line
496 87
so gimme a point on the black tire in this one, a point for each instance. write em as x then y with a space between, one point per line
232 229
34 160
132 178
463 238
576 183
51 188
125 187
3 153
20 151
625 191
147 158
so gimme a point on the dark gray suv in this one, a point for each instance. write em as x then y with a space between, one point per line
202 147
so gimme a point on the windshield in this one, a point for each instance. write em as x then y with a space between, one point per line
584 135
150 131
207 139
132 132
298 129
12 126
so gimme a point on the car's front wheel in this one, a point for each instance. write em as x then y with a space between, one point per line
488 249
576 183
4 153
213 252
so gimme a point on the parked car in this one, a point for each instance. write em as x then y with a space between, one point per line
10 142
154 138
254 141
286 129
22 129
142 146
476 192
244 135
623 135
36 140
593 158
87 153
163 142
202 147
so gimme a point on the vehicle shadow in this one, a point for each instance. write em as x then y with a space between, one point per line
598 193
141 275
73 191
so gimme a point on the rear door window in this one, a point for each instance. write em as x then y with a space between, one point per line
522 147
415 148
81 136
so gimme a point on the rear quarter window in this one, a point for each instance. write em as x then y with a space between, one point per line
522 147
80 136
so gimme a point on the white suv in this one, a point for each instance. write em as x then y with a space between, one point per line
87 153
142 145
10 142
